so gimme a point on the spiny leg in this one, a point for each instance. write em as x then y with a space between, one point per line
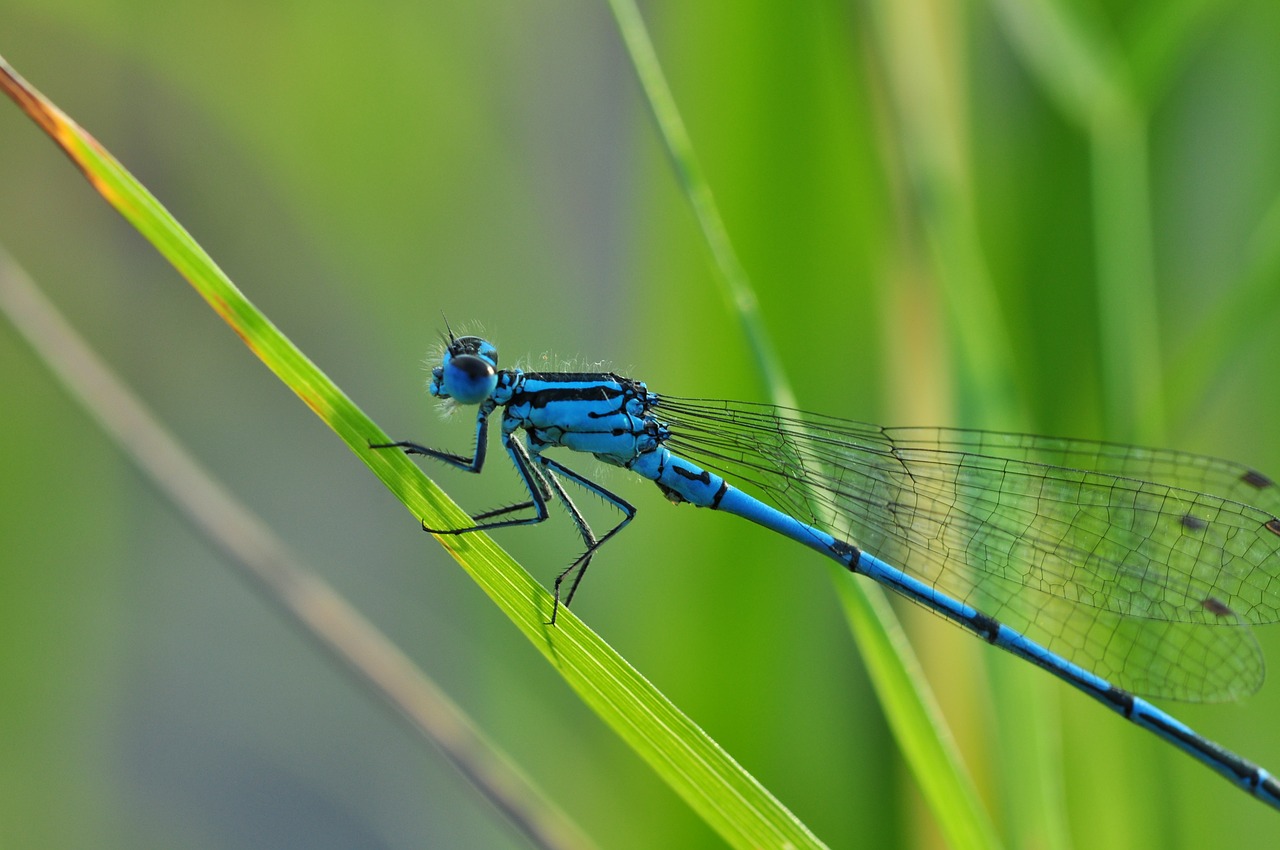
588 539
540 483
533 479
475 463
535 483
579 566
543 486
519 506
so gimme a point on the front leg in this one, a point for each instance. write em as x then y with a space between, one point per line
475 463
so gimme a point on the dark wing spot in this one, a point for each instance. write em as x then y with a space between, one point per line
1192 523
1273 525
1257 480
1217 607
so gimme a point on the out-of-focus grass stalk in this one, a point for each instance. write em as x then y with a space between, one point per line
735 286
1085 75
1128 305
909 704
920 47
257 554
1248 312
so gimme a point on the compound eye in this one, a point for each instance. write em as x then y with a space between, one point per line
476 346
469 379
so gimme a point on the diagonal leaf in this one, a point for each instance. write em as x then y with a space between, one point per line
251 548
708 779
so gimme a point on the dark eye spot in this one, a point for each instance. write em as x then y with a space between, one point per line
473 367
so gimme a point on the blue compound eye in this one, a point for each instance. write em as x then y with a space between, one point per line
475 345
469 373
469 379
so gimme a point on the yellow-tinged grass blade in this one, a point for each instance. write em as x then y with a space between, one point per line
710 781
251 548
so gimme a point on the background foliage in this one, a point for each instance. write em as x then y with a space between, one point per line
1051 216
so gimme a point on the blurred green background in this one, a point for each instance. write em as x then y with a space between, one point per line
1052 216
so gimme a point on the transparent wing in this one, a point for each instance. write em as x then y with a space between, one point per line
1146 566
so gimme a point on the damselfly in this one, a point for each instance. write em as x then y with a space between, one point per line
1117 569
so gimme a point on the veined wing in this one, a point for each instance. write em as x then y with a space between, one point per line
1144 565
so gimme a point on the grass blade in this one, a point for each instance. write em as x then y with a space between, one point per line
313 606
911 710
709 780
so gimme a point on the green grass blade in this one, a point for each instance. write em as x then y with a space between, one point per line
1085 73
912 712
708 779
1248 310
259 555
